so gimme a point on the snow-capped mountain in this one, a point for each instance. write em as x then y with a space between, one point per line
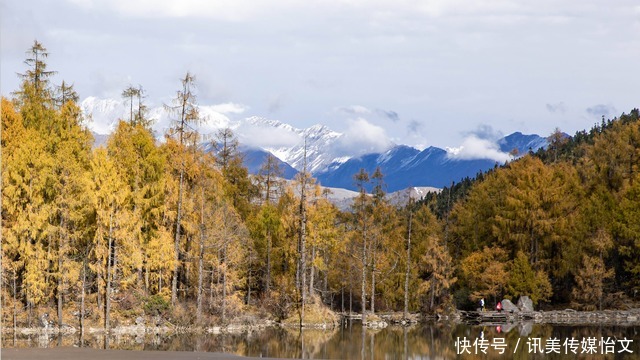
403 166
103 116
319 140
282 140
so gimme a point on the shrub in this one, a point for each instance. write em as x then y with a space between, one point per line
156 305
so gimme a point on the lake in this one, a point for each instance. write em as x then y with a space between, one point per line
424 341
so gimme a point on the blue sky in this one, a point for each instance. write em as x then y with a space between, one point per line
422 73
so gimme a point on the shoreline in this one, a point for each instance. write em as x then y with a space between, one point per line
554 317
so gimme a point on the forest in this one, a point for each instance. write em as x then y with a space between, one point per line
173 226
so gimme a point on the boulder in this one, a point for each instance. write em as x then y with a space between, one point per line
525 304
509 307
507 327
525 329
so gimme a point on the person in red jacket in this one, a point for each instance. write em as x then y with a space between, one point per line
499 306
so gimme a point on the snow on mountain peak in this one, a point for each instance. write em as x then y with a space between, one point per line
103 114
282 140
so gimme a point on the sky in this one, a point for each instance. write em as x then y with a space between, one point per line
423 73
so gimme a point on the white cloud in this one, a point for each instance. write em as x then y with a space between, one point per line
229 108
268 137
226 10
354 110
362 137
474 147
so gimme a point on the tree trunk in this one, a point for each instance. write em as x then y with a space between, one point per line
224 283
200 274
312 271
15 312
211 289
107 297
146 275
303 259
201 258
82 296
364 278
373 277
176 244
433 293
303 238
408 269
249 281
60 273
268 277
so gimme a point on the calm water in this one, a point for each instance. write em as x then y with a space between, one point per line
427 341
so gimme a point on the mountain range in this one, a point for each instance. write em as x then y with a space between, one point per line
403 166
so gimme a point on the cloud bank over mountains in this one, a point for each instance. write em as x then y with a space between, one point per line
360 136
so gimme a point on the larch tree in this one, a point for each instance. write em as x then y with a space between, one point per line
525 280
435 262
27 171
133 149
208 204
410 206
485 272
185 110
230 161
71 149
113 225
303 179
323 239
362 223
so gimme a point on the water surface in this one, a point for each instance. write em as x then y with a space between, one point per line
425 341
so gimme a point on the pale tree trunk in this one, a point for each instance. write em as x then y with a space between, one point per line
364 276
15 310
408 269
312 269
249 281
60 290
224 283
303 258
82 296
303 237
373 276
201 260
176 245
211 288
268 275
200 275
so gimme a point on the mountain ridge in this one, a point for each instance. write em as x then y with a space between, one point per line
403 166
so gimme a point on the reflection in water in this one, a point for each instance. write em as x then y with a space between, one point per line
427 341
